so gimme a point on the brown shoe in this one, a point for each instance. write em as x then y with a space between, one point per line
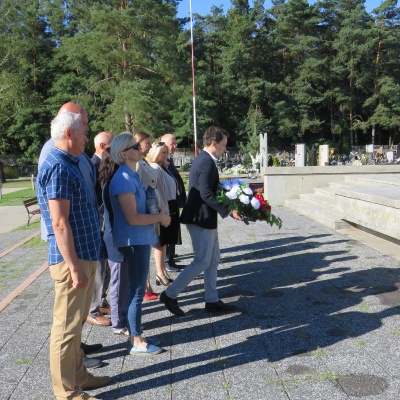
94 382
99 320
83 396
105 310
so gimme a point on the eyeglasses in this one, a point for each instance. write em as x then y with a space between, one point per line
159 144
136 146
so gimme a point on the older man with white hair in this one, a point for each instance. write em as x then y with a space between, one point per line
71 218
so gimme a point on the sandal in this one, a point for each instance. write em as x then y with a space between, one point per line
170 280
164 281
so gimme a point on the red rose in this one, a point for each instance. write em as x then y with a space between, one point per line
260 198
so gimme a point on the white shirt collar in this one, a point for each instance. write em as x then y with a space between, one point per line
212 156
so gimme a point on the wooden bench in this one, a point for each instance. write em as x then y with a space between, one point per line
30 206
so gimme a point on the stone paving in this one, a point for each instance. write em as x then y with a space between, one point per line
12 217
319 320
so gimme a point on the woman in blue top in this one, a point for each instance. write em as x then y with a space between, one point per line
133 233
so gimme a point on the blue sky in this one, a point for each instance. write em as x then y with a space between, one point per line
203 7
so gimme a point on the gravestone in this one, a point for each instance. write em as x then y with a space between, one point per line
323 158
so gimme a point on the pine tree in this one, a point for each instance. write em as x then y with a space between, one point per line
384 103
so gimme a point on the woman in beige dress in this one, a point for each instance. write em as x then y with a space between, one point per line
148 178
167 189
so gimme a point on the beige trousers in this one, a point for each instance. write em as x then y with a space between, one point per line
71 307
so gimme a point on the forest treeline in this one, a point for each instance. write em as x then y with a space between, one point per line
322 73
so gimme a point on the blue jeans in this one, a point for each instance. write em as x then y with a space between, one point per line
138 261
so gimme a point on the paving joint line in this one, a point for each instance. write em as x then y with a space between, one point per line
20 288
4 253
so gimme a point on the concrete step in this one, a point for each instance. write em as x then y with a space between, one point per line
319 213
374 179
343 184
388 196
328 192
320 199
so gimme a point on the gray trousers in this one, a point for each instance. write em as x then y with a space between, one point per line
98 287
118 294
206 259
106 286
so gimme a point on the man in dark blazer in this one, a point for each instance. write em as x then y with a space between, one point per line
200 213
102 141
99 305
170 141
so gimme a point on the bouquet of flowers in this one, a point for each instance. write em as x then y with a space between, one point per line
249 202
237 169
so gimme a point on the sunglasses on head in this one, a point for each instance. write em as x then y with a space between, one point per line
136 146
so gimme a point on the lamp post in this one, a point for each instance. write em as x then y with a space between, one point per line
193 83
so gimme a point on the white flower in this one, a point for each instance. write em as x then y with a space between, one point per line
244 199
247 191
232 194
255 203
226 185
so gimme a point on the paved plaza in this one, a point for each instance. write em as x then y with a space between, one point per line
319 320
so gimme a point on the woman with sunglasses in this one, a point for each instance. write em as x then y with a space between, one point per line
133 233
167 189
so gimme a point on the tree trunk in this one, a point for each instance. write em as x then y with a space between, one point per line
128 122
2 176
373 134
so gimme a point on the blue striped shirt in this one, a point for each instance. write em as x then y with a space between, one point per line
59 178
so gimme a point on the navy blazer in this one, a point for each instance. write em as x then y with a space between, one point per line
96 163
202 207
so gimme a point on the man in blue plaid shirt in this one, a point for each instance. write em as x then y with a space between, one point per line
71 218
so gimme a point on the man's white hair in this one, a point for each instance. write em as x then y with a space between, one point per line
64 121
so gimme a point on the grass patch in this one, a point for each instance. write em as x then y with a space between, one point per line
33 225
15 275
35 242
22 362
394 332
319 353
17 183
364 307
360 343
16 198
5 264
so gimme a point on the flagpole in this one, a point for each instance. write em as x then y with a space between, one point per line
193 83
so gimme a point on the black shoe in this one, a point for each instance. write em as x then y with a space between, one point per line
91 348
172 268
220 306
171 304
173 264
